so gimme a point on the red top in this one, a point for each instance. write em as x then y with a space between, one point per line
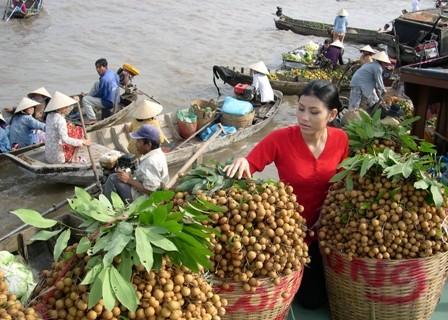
297 166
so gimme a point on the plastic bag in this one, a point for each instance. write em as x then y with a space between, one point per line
236 107
187 121
212 129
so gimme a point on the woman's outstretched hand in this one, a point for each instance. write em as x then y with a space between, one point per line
240 166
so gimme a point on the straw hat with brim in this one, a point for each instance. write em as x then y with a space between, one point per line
42 91
26 103
343 13
367 48
59 101
147 109
381 56
259 67
395 111
337 43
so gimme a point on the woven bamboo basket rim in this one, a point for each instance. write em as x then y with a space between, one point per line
237 121
268 302
368 288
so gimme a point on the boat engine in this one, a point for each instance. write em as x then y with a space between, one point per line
244 91
110 163
126 74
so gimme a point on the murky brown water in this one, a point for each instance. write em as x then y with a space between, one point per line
174 44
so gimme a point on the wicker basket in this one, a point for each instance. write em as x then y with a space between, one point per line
384 289
237 121
204 117
267 302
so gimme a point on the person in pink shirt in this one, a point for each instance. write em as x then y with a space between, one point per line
306 156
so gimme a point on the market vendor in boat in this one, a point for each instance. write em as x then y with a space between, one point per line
23 126
334 53
367 80
261 82
42 96
340 25
306 157
144 114
5 145
62 141
366 55
151 173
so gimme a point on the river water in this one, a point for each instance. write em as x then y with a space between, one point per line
173 43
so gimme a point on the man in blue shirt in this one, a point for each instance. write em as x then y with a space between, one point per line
104 94
367 80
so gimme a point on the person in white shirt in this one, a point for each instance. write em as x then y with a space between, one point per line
261 82
151 173
415 5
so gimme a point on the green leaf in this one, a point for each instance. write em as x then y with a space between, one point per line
408 167
125 227
421 184
125 266
33 218
92 274
160 215
117 203
123 290
339 176
115 247
394 170
157 239
83 245
172 226
96 291
161 196
436 195
44 235
349 182
144 248
61 244
345 217
365 205
108 293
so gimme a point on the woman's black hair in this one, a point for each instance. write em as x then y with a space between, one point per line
325 91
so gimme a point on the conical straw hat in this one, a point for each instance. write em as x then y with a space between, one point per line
42 91
381 56
337 43
59 101
147 109
343 13
259 67
367 48
25 103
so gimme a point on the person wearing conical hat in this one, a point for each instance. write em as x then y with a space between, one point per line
334 53
340 25
5 145
366 55
261 82
60 147
367 80
145 113
23 125
42 96
415 5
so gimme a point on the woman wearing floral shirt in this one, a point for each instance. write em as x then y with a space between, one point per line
57 133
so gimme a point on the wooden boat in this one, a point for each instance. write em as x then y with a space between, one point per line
233 77
320 29
14 9
179 150
32 159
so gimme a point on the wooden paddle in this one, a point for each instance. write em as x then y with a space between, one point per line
92 162
198 153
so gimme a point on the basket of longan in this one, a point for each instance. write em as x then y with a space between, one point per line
259 257
384 233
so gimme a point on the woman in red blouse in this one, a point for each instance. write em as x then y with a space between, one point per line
306 156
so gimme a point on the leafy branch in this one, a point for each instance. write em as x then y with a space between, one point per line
121 236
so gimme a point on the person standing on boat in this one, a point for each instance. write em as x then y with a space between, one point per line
334 53
415 5
366 55
340 25
144 114
5 145
62 146
42 96
261 82
151 173
367 80
306 157
23 125
105 93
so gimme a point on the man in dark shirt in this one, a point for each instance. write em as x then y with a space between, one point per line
105 92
